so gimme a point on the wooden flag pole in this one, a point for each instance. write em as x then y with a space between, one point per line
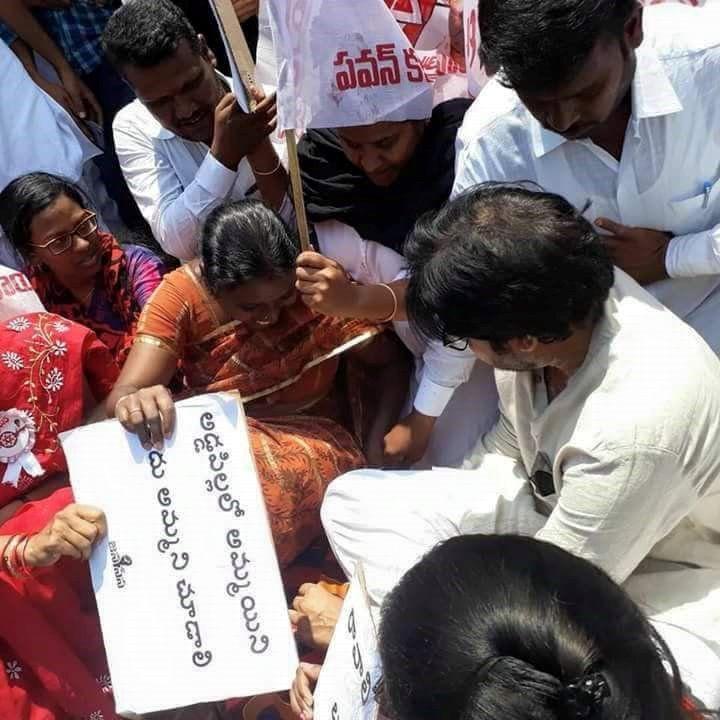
297 190
230 26
235 37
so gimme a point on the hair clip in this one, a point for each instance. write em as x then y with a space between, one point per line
583 698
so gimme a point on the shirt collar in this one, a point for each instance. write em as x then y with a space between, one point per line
653 95
157 132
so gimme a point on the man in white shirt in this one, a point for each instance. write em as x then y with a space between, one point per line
615 108
608 442
185 145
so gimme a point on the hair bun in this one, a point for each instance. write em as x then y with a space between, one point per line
583 698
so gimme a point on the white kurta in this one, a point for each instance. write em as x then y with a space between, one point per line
631 449
668 177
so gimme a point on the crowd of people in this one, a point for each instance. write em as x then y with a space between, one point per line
492 380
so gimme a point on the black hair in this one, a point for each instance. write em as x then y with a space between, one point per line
27 196
144 33
244 241
505 261
502 626
539 45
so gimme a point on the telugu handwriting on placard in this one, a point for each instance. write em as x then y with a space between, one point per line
241 586
170 545
377 67
349 682
362 671
210 443
218 484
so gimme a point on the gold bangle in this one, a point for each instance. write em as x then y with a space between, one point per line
3 565
9 556
390 317
265 174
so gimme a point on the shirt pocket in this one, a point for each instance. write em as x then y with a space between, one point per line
698 212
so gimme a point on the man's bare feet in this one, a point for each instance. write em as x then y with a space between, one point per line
315 612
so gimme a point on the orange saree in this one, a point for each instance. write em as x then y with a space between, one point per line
294 362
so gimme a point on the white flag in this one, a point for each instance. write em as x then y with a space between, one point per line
435 29
344 63
476 76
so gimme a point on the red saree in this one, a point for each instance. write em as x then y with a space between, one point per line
126 280
52 660
293 362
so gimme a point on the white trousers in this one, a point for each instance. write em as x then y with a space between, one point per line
389 520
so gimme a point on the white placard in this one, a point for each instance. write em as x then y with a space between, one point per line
351 671
187 582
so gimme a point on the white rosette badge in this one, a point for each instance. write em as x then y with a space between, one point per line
17 440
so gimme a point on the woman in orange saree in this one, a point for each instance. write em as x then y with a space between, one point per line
232 321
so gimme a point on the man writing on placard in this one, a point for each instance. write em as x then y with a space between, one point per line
613 107
185 145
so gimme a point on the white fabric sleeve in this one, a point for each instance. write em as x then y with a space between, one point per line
501 439
341 243
366 261
489 158
287 211
443 371
381 264
695 254
616 504
473 165
174 213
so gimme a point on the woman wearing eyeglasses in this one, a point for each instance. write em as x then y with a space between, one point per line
77 270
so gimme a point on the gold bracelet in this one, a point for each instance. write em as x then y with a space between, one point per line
390 317
266 174
9 556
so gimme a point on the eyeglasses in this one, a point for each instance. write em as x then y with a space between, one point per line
459 344
62 243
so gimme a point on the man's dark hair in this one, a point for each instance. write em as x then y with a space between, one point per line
144 33
505 261
539 45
